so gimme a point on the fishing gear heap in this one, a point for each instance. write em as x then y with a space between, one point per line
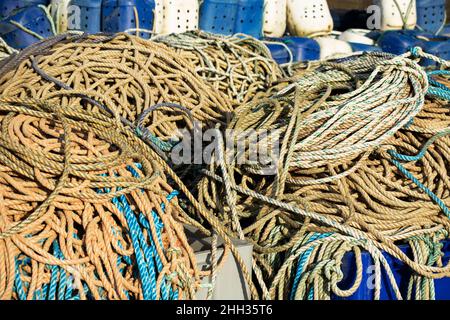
352 155
347 167
87 212
239 66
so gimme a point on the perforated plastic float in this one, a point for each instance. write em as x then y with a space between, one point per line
218 16
431 15
357 36
249 18
176 16
333 48
8 6
399 42
309 17
123 15
398 14
59 10
274 19
34 19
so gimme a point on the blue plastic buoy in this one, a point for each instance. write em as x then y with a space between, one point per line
218 16
279 53
120 15
90 14
249 19
7 7
445 31
360 47
303 49
399 42
31 18
431 15
402 274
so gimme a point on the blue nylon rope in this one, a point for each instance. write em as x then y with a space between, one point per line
301 263
396 156
436 88
146 255
147 259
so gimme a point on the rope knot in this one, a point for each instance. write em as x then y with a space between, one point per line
170 277
175 251
416 52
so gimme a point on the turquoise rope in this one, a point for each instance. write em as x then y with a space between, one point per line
436 88
422 152
148 262
301 264
396 157
146 256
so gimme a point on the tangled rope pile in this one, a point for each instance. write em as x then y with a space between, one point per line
350 157
123 74
340 184
239 66
86 211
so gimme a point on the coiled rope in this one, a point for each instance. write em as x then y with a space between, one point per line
335 176
86 211
239 66
124 73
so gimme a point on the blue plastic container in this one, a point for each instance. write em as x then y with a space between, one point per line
249 19
402 274
303 49
445 31
90 15
8 6
430 15
119 15
279 53
399 42
357 47
32 18
218 16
